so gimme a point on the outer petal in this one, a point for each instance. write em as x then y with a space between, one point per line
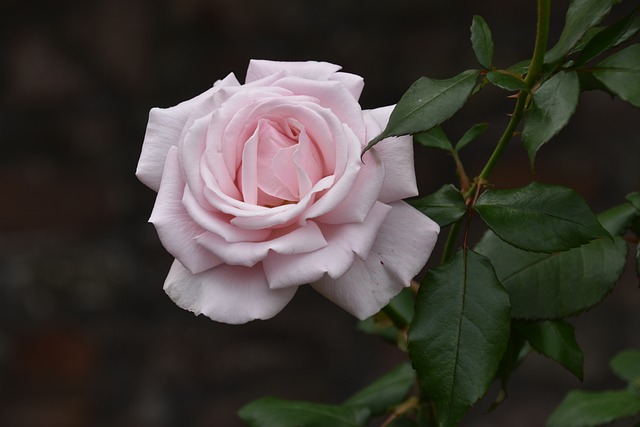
396 155
229 294
176 229
353 82
166 127
313 70
344 242
298 240
400 250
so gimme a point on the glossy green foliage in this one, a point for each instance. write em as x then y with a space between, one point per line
609 37
506 80
539 218
434 138
553 105
556 340
588 409
555 285
459 333
482 41
445 206
626 365
386 391
471 135
427 103
620 73
581 16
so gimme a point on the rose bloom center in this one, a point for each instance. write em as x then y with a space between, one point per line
280 163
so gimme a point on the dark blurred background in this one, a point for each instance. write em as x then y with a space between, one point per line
88 337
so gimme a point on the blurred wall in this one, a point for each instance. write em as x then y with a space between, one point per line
87 336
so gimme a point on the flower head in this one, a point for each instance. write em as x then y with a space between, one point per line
261 189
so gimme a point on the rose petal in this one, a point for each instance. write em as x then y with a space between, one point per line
229 294
218 223
272 140
399 252
166 127
352 82
175 228
362 195
307 162
344 184
297 240
332 95
249 173
312 70
344 242
396 155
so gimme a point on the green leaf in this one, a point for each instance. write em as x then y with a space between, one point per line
582 15
434 138
618 219
517 350
482 41
586 409
428 103
634 199
520 68
585 39
609 37
626 365
539 217
506 80
386 391
555 339
459 333
553 105
557 285
620 73
274 412
445 206
470 135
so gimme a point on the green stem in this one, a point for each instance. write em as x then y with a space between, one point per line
398 320
542 37
535 68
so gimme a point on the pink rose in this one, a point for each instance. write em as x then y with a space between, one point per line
261 189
